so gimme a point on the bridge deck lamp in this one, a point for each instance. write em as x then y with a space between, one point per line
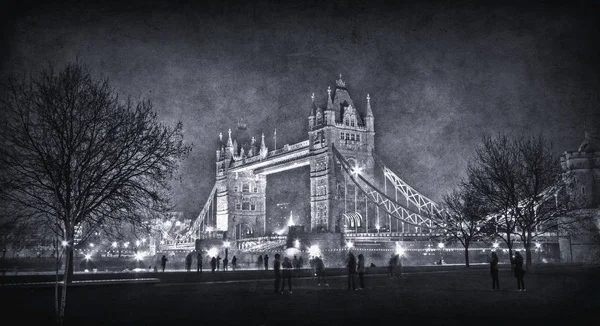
88 256
137 243
349 245
495 245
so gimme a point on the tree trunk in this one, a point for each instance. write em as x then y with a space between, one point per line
527 245
467 255
66 281
69 263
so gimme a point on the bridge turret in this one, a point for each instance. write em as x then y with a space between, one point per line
263 148
313 111
369 119
329 114
229 147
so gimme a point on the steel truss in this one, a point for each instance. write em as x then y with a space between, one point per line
381 199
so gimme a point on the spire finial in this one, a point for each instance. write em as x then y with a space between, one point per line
340 82
313 97
220 136
368 98
329 90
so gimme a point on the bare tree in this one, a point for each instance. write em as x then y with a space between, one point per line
77 158
463 218
493 176
520 178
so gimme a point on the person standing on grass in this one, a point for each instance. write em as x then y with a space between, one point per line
234 262
361 272
225 262
351 265
277 270
519 271
259 262
390 267
266 262
188 262
199 262
397 266
494 272
213 264
320 271
163 262
219 262
287 274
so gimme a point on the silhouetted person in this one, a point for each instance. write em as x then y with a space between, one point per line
188 262
213 264
295 262
320 271
351 265
287 274
361 271
163 262
300 262
225 262
266 262
277 269
397 267
259 263
519 271
494 271
219 262
234 262
199 262
390 267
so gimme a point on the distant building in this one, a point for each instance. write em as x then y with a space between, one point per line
581 173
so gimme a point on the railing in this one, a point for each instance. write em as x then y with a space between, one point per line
286 148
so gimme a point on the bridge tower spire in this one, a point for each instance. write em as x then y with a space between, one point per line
313 111
369 119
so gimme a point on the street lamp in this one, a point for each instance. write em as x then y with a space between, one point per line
441 246
349 245
65 243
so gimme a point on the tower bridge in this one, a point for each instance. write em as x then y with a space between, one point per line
353 195
345 195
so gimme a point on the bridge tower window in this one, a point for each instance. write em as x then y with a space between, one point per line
358 137
238 206
245 187
255 188
352 121
245 206
342 136
235 189
351 136
252 207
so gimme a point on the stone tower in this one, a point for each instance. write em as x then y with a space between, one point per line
339 123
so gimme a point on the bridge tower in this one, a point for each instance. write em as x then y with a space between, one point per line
341 124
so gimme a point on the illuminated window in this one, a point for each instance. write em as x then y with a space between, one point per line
256 188
351 136
245 187
357 137
253 207
342 136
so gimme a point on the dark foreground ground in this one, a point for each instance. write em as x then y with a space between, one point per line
564 295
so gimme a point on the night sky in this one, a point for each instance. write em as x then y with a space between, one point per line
440 75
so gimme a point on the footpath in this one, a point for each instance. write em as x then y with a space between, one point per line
48 279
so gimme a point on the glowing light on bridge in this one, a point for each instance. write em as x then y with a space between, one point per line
213 252
495 245
226 244
314 251
349 244
91 245
538 245
291 221
357 170
65 243
399 250
297 244
114 244
140 256
441 245
88 256
137 243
